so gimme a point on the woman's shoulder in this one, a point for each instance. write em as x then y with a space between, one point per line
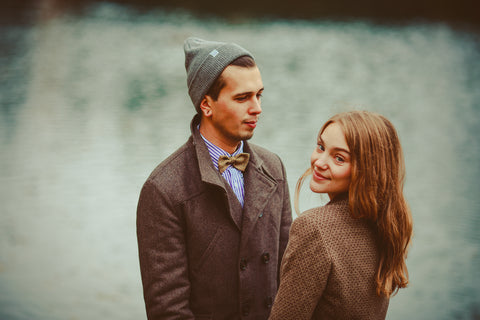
314 226
332 211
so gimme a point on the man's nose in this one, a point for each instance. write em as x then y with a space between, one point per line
256 106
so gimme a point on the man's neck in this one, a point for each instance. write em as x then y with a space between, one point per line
215 138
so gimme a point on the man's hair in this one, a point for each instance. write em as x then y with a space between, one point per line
219 84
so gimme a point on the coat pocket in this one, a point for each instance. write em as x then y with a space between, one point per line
197 266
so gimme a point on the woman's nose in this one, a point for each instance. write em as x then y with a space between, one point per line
320 161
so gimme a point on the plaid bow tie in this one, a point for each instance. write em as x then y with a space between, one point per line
239 161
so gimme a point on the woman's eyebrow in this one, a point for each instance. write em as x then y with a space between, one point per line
334 148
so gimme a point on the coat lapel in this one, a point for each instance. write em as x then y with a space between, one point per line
211 176
259 187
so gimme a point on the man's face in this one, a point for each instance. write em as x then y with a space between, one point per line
234 115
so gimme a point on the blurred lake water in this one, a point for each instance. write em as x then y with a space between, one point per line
90 104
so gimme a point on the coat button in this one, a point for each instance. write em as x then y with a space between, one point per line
243 264
246 310
269 302
266 257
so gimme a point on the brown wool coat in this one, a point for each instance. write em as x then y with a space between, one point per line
328 270
201 255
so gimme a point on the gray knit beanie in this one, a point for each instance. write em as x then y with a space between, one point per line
204 62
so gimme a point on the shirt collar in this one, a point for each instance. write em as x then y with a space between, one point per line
216 152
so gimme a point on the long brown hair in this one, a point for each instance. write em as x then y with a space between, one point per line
376 191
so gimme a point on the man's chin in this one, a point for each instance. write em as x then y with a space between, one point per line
247 136
242 136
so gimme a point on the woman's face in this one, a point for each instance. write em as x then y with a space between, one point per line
331 162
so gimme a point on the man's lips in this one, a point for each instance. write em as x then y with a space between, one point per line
251 123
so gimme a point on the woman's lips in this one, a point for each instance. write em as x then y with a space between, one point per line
319 176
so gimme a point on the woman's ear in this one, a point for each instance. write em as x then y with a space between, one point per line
205 106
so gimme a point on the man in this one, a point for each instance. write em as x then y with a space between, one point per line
211 237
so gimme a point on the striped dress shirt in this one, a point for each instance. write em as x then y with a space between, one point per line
233 176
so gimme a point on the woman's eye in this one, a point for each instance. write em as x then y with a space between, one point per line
320 147
339 159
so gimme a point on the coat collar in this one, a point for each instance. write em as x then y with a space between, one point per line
259 183
207 170
208 173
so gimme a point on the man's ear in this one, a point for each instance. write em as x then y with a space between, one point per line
205 106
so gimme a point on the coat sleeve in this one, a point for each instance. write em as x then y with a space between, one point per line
163 257
304 273
286 221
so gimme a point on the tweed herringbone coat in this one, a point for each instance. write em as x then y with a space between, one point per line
201 255
328 270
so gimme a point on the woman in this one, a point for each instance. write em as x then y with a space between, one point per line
346 259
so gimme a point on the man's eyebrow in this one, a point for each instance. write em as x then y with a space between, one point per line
248 92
